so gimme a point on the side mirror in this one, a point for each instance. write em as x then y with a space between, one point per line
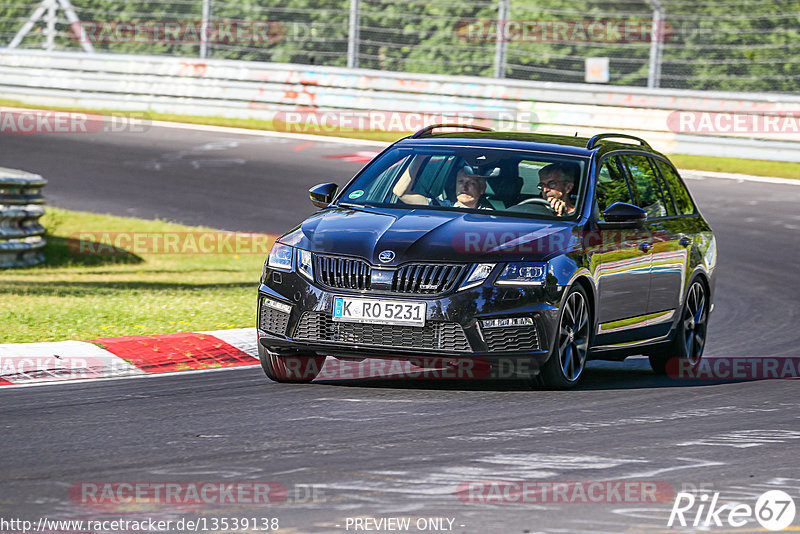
620 215
323 194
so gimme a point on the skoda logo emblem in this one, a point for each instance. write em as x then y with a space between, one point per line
386 256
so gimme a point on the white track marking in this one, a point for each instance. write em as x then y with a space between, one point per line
686 173
244 339
62 362
25 363
744 439
556 462
703 175
269 133
142 375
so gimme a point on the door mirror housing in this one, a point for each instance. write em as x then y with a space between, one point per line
323 194
621 215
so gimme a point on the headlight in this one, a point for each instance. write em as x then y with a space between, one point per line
280 257
304 264
477 275
523 274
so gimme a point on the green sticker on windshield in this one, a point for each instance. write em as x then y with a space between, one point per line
355 194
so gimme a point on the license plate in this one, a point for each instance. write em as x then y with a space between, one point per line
383 311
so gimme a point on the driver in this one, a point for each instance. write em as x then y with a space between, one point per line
556 182
470 188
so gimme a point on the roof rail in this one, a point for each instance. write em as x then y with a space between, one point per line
427 131
594 140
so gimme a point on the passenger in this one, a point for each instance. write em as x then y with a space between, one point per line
470 188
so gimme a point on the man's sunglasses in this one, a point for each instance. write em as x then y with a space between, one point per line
552 184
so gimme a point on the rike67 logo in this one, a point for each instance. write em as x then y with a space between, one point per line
774 510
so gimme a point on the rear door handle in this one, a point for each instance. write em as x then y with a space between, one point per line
645 247
685 242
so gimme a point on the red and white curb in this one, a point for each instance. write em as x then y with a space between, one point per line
34 363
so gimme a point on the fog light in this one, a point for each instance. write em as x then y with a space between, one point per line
275 305
508 321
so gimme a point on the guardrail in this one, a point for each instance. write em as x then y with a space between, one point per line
242 89
21 205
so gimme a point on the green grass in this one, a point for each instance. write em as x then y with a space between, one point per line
83 295
701 163
756 167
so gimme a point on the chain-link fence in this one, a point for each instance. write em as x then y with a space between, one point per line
731 45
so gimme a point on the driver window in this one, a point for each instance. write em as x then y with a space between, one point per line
611 186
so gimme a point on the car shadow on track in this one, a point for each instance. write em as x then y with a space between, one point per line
633 373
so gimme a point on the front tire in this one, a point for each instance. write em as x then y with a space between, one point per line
564 368
297 369
686 348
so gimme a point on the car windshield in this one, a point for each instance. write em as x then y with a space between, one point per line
485 180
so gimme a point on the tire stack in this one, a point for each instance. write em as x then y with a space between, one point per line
21 206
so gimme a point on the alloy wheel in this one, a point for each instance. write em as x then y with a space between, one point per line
695 317
573 339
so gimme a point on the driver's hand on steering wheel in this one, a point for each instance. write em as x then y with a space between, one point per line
557 205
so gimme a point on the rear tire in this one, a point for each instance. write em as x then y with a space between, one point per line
297 368
567 361
685 350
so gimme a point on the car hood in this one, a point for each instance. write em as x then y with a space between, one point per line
429 235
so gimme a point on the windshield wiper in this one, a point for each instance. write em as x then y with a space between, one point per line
349 205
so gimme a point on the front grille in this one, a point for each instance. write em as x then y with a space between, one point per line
511 339
426 278
273 321
318 326
417 278
342 273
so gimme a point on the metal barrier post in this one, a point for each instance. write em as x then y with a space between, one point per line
204 29
501 47
656 45
50 34
353 34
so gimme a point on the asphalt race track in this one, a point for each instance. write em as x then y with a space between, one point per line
394 446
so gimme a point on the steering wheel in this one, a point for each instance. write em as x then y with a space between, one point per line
537 200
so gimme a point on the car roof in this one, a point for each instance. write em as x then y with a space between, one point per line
563 144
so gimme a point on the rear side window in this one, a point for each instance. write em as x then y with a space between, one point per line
646 187
432 177
611 185
682 199
436 170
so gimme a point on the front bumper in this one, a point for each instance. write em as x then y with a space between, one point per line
452 331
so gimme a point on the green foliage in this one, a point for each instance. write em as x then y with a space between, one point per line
730 45
91 293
